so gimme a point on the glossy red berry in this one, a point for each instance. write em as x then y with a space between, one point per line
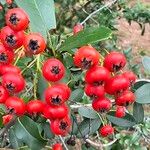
102 105
16 105
97 75
3 94
94 91
7 118
57 146
116 84
86 57
6 56
17 19
106 130
53 70
60 126
77 28
125 98
9 68
130 76
55 95
114 61
120 112
12 39
55 112
34 43
1 7
9 2
35 106
13 82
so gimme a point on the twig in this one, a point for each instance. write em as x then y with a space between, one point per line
94 12
11 123
146 80
62 140
100 145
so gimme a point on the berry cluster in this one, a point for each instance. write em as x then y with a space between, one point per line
13 37
104 80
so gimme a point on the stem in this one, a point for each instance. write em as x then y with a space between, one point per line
96 11
62 140
28 66
19 56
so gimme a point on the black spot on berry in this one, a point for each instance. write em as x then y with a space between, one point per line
56 100
10 87
55 70
63 125
3 57
86 64
33 45
11 40
13 19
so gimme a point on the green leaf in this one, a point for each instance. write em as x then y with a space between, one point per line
88 127
138 112
41 86
31 127
22 134
77 95
127 121
87 112
143 94
47 130
146 63
87 36
139 84
41 13
14 141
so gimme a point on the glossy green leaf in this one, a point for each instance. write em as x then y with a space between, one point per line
87 36
146 63
143 94
14 141
77 95
88 127
138 112
41 13
31 127
87 112
127 121
26 137
139 84
41 86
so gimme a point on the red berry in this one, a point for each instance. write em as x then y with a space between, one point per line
1 7
86 57
102 105
106 130
126 98
55 95
16 105
57 146
9 2
60 126
9 68
13 82
97 75
130 76
114 61
12 39
6 56
120 112
55 112
94 91
34 43
116 84
77 28
35 106
17 19
7 118
3 94
53 70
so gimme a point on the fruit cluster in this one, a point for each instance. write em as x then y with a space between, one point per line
13 37
106 79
